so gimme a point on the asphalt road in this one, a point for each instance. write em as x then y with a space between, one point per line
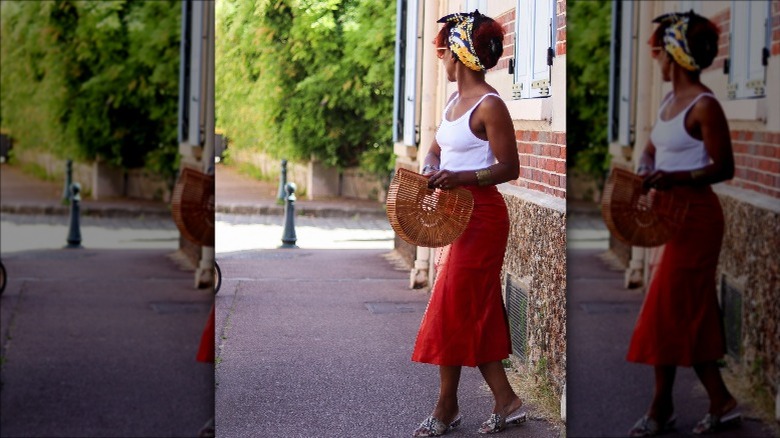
317 343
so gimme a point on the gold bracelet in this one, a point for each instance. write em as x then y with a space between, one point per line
484 177
696 174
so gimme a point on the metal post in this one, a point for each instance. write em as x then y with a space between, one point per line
288 237
68 181
282 183
74 233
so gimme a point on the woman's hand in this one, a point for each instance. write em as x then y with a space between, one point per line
444 179
660 180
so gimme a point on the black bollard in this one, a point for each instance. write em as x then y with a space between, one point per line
74 232
68 180
282 183
288 237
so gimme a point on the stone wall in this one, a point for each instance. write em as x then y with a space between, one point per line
536 254
99 180
314 179
748 261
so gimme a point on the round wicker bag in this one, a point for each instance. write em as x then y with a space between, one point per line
192 206
637 217
426 217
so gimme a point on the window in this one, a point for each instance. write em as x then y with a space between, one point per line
749 49
621 74
405 104
687 5
535 21
477 4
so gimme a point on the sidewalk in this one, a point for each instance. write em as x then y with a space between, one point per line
102 343
606 394
97 342
23 194
240 194
318 343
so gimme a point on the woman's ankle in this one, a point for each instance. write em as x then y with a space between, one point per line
508 404
661 411
446 410
723 405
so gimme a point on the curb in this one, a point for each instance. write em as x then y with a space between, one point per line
91 211
316 212
138 213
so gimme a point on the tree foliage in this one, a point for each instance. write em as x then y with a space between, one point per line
303 78
587 69
93 79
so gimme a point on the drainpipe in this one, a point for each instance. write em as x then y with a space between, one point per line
421 273
644 90
204 276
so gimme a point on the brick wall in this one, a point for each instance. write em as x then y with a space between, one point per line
723 20
560 17
542 154
775 44
507 21
757 161
542 161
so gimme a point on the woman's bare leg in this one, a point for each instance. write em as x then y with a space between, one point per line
662 406
721 400
506 400
447 406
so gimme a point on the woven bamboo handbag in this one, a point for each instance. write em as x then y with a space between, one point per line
640 218
192 206
426 217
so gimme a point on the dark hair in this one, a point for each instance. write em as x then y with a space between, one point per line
702 37
488 39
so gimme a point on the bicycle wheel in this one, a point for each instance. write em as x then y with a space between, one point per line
2 278
217 277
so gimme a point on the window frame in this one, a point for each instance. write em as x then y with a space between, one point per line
749 43
535 38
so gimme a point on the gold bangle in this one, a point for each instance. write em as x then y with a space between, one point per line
696 174
484 177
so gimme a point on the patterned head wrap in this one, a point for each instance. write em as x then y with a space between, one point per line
675 41
460 39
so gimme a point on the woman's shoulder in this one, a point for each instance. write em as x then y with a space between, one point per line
707 101
492 101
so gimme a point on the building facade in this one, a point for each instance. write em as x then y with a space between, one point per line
745 77
196 133
531 78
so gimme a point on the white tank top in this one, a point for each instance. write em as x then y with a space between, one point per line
460 148
675 149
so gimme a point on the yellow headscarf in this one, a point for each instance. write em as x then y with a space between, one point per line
460 38
675 40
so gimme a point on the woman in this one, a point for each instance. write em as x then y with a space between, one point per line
689 149
474 147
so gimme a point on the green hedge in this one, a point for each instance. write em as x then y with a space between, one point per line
587 70
89 79
302 78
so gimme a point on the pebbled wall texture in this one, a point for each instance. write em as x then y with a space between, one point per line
536 256
748 262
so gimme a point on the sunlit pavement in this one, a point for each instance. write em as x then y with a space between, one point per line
586 231
23 233
251 232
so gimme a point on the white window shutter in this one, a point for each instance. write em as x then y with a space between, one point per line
471 5
410 74
523 45
626 61
687 5
749 39
533 40
542 42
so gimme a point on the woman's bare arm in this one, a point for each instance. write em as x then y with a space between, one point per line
708 116
493 113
